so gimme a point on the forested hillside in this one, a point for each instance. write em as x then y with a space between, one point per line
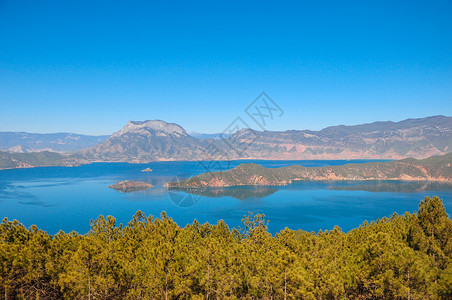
435 168
401 257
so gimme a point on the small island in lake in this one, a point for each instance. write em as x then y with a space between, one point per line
130 186
147 170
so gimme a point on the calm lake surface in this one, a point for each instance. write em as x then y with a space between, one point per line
55 198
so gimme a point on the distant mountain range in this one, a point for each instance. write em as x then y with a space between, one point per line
417 138
437 168
156 140
22 142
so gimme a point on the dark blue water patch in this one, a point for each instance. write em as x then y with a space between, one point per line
64 198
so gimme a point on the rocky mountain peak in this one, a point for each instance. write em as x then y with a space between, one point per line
157 127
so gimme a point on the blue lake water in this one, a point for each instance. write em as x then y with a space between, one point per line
55 198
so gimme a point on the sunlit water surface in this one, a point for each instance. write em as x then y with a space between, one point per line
55 198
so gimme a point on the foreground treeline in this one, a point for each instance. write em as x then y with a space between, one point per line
401 257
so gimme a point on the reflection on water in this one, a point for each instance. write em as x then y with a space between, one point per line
146 195
245 192
393 186
37 202
241 192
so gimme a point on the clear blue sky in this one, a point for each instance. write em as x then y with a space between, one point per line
91 66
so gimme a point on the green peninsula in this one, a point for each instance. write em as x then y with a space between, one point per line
436 168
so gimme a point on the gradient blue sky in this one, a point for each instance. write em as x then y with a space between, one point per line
91 66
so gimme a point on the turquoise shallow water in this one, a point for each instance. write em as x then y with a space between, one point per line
55 198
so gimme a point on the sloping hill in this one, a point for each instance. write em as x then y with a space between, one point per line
438 168
417 138
36 159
